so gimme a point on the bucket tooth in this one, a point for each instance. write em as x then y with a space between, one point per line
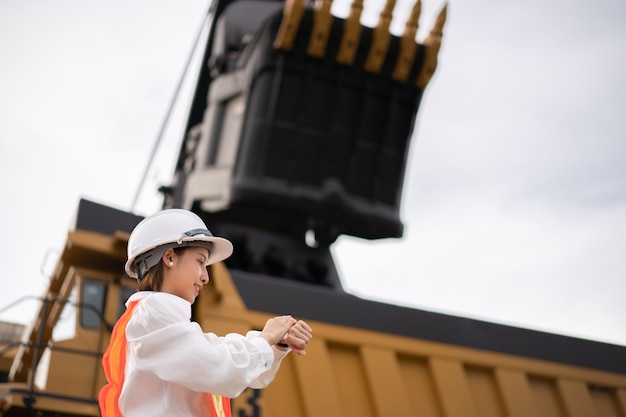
432 43
351 34
380 40
322 22
408 45
289 25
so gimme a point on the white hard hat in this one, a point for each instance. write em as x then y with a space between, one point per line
169 229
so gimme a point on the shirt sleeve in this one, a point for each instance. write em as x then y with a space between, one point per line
177 351
268 376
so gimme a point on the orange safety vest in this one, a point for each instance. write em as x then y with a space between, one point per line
114 363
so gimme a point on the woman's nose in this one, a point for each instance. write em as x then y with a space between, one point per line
205 276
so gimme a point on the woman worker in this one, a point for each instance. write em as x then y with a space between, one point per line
159 363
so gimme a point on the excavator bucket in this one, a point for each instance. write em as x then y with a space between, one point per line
305 116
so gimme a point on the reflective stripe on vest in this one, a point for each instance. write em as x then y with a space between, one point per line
114 364
220 406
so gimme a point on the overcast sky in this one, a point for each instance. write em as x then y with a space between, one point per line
515 196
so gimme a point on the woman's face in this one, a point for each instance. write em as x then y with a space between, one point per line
187 274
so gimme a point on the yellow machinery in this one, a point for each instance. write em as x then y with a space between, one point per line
299 132
366 359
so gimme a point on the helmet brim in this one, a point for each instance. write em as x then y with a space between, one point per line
219 250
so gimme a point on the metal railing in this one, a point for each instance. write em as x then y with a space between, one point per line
30 394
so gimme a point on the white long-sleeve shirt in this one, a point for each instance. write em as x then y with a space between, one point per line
171 362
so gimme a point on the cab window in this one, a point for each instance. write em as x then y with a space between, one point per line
92 296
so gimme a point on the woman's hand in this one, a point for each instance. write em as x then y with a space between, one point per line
285 329
276 328
298 336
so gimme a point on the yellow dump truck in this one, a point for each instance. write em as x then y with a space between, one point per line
366 359
298 133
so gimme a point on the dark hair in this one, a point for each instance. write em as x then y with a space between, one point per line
153 280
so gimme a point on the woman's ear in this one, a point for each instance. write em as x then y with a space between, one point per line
169 257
